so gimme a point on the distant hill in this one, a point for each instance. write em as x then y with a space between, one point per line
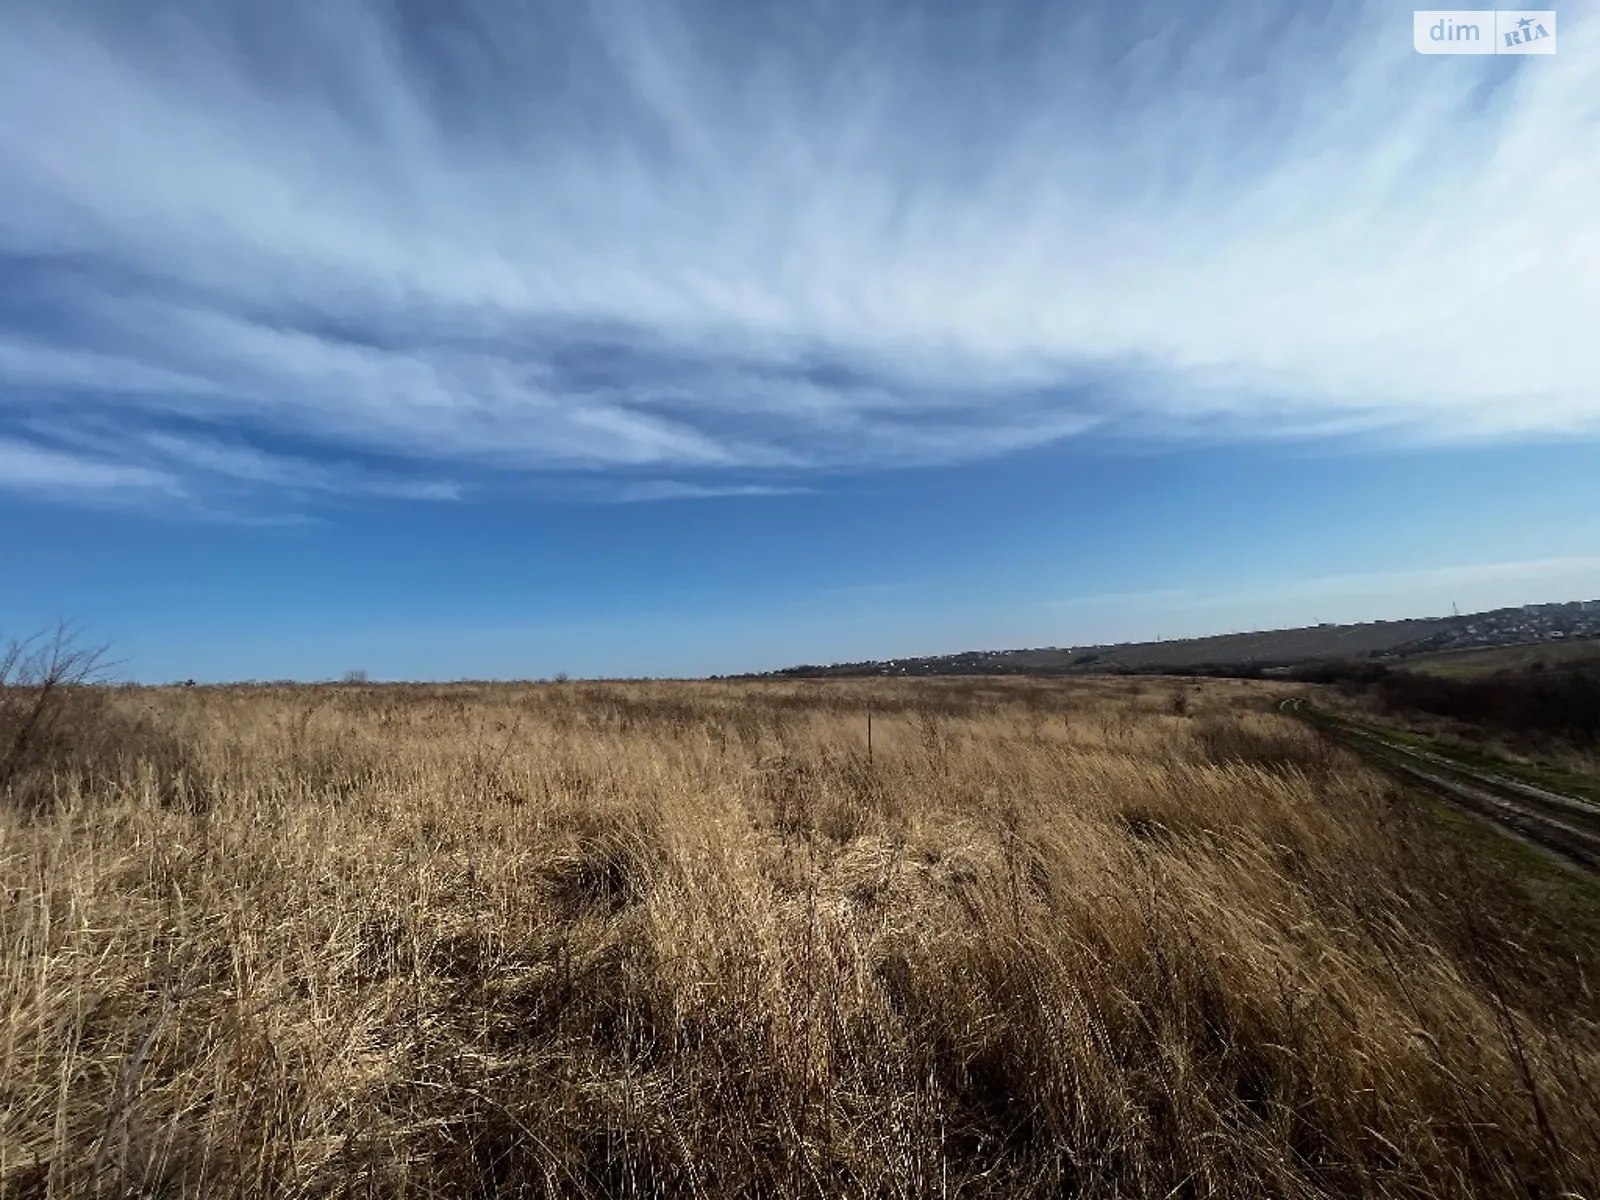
1266 652
1486 660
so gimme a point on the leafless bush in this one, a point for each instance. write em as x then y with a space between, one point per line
40 678
51 713
63 726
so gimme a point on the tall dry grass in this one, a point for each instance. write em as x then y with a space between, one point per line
1086 938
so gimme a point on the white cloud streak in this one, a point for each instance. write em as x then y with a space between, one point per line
681 237
245 465
672 489
28 467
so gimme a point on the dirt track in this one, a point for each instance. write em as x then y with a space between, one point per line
1566 825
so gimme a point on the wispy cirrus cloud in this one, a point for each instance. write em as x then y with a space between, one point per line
672 489
244 464
29 467
103 463
705 238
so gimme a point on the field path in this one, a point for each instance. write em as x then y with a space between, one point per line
1567 825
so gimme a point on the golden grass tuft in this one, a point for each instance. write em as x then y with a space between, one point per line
1074 938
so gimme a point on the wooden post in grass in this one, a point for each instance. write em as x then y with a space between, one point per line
869 737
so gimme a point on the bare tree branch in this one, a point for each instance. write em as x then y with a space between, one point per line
35 672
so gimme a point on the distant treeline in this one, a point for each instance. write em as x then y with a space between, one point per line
1204 670
1559 702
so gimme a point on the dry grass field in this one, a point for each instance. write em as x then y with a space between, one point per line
1053 938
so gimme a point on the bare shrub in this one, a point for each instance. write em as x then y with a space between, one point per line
63 726
43 712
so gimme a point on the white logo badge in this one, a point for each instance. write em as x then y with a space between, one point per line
1484 31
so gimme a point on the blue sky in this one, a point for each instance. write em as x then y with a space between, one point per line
496 339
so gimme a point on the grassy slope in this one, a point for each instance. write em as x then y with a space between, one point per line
1547 763
1092 937
1486 660
1446 738
1565 894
